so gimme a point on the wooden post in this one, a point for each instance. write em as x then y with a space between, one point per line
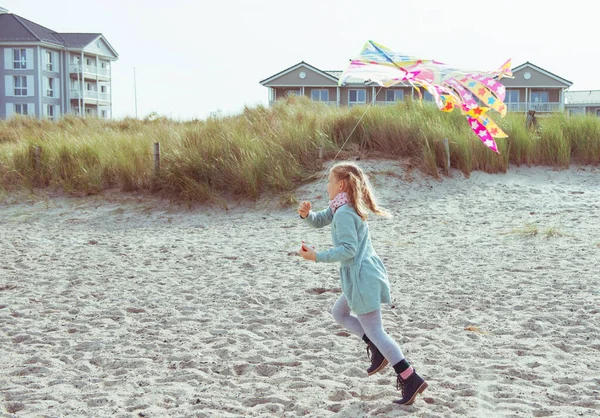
156 158
320 159
37 163
447 147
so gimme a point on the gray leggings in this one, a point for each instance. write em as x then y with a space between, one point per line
370 325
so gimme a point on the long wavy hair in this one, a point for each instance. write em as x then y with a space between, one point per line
359 189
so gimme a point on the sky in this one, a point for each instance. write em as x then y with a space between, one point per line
198 58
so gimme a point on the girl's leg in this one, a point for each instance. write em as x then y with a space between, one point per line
341 314
373 328
408 381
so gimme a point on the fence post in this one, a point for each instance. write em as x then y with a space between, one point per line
447 148
320 159
37 163
156 158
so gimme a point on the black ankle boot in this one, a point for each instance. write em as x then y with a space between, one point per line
410 388
378 361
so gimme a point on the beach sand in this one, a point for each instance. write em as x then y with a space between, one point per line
124 307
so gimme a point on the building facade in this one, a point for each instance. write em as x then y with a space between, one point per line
583 102
532 88
46 74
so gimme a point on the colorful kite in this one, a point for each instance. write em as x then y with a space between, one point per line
473 92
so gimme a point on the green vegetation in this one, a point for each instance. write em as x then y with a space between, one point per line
269 150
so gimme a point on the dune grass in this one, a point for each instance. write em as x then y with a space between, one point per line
269 150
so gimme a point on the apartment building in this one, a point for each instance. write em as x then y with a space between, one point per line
46 74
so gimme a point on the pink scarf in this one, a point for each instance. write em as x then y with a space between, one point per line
340 199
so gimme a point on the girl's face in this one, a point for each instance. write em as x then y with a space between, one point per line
334 186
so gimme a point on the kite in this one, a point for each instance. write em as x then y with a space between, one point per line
474 93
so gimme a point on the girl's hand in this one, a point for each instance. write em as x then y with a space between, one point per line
304 209
307 252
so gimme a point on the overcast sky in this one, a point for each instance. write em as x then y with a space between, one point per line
197 57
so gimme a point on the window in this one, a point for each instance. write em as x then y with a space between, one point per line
21 109
511 99
19 59
394 95
20 83
427 97
104 114
357 96
320 95
48 61
50 89
89 87
598 112
88 61
511 96
103 89
292 92
50 111
539 96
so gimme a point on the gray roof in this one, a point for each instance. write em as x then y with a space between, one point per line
79 40
582 97
338 73
18 29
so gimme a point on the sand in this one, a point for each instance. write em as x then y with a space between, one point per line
127 307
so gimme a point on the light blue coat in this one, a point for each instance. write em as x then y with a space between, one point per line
363 276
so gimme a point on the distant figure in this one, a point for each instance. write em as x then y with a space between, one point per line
531 121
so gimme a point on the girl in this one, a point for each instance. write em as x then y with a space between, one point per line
363 276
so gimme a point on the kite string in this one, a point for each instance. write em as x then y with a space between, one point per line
342 147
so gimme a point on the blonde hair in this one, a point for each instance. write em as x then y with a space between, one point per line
358 188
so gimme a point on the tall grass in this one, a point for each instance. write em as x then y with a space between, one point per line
269 149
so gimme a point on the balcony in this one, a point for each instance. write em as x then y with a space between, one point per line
387 103
89 70
330 103
537 106
90 94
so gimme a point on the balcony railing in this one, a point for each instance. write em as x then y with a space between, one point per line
90 94
537 106
386 103
330 103
89 69
512 107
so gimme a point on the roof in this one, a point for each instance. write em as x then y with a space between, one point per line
541 70
18 29
336 74
293 67
582 97
79 40
333 75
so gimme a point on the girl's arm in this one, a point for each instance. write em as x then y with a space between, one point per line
319 219
347 238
